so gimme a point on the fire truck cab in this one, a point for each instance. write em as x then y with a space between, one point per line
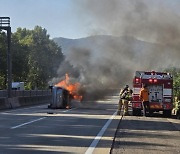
160 86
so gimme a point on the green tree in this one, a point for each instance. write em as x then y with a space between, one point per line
176 80
35 57
21 40
44 58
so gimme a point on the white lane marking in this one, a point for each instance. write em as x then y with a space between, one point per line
37 120
28 123
99 135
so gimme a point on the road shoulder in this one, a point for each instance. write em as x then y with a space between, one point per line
146 135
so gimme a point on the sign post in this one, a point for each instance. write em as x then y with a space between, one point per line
5 25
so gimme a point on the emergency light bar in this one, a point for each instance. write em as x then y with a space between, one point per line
161 77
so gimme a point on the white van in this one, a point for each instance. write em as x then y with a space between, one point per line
17 85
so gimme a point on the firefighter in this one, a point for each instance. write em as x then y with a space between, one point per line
144 97
125 97
177 107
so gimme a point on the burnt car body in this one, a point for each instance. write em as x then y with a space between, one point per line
60 98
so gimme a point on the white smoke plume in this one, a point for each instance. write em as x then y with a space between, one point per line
147 38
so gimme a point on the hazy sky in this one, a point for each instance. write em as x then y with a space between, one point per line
62 18
57 16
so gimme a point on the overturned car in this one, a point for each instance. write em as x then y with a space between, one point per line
60 98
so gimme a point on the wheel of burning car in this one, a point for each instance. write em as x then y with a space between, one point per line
167 113
136 112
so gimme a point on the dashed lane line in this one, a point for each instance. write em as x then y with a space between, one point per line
26 123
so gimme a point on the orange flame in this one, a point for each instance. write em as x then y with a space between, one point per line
72 88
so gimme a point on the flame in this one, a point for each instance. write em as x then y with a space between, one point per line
72 88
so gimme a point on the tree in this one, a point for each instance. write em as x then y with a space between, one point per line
44 58
176 80
21 40
35 57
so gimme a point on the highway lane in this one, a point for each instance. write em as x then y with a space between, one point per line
87 127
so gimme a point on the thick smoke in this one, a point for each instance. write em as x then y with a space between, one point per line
111 61
151 20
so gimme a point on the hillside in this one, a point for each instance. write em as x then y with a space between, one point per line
103 62
100 42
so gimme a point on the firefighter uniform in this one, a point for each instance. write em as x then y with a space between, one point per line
125 97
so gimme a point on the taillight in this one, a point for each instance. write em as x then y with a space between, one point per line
155 80
150 80
137 80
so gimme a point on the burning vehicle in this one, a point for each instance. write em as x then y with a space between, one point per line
63 92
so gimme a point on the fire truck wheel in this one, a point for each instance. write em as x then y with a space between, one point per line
151 113
167 113
136 112
178 115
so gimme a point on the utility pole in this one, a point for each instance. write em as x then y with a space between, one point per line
5 25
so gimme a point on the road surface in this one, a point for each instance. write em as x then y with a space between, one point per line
87 128
150 135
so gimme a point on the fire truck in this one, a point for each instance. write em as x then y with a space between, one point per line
160 86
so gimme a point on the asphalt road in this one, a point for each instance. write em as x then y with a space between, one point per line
149 135
87 127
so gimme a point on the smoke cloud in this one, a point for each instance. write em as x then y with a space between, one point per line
145 35
153 20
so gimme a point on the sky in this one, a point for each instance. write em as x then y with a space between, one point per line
68 18
58 17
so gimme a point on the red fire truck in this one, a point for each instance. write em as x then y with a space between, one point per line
160 87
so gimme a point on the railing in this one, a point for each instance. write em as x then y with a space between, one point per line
25 93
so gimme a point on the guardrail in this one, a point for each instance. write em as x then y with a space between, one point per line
25 93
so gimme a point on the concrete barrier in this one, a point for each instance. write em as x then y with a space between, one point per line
26 101
4 104
15 102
